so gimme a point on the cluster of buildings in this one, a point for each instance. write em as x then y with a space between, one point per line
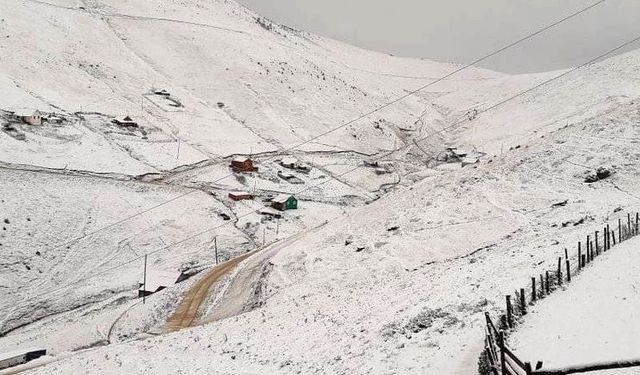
33 116
281 202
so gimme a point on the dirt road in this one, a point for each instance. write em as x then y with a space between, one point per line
237 295
187 310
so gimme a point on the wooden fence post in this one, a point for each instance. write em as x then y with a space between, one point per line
568 271
503 366
606 238
559 270
619 230
547 282
533 289
566 253
579 255
523 302
637 221
584 260
509 312
597 246
593 254
541 286
628 224
527 368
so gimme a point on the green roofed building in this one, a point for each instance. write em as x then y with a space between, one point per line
284 202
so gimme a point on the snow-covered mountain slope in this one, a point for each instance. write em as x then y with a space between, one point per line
396 285
399 286
246 84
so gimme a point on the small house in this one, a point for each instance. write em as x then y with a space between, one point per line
242 164
303 168
284 202
289 177
162 92
31 117
290 163
380 171
125 121
158 280
53 119
270 212
285 176
240 195
20 356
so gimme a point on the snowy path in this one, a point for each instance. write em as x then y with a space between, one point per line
239 291
189 307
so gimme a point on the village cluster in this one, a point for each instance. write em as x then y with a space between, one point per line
26 116
279 203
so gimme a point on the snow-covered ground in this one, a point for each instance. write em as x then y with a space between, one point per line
410 257
594 320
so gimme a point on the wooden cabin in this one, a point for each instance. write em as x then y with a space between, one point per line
242 164
240 195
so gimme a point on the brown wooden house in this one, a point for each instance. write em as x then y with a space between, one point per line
240 195
242 164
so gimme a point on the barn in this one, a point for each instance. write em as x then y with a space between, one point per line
242 164
284 202
240 195
18 357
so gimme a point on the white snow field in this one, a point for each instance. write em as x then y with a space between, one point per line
593 321
384 270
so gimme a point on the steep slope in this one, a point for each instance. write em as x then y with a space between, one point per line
245 85
395 286
277 87
399 286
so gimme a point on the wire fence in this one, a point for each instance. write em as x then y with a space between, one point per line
501 360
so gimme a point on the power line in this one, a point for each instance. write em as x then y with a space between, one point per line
358 118
464 119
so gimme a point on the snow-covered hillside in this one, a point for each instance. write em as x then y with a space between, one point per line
246 85
383 270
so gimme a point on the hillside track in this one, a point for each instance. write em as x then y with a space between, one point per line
187 310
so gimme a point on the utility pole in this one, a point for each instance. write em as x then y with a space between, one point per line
215 245
144 281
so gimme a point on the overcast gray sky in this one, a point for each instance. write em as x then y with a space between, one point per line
462 30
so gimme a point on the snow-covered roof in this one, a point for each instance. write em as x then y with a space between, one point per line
286 175
237 193
282 198
123 119
269 211
240 159
18 352
24 111
289 160
157 279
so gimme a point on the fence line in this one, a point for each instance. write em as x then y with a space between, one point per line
504 362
